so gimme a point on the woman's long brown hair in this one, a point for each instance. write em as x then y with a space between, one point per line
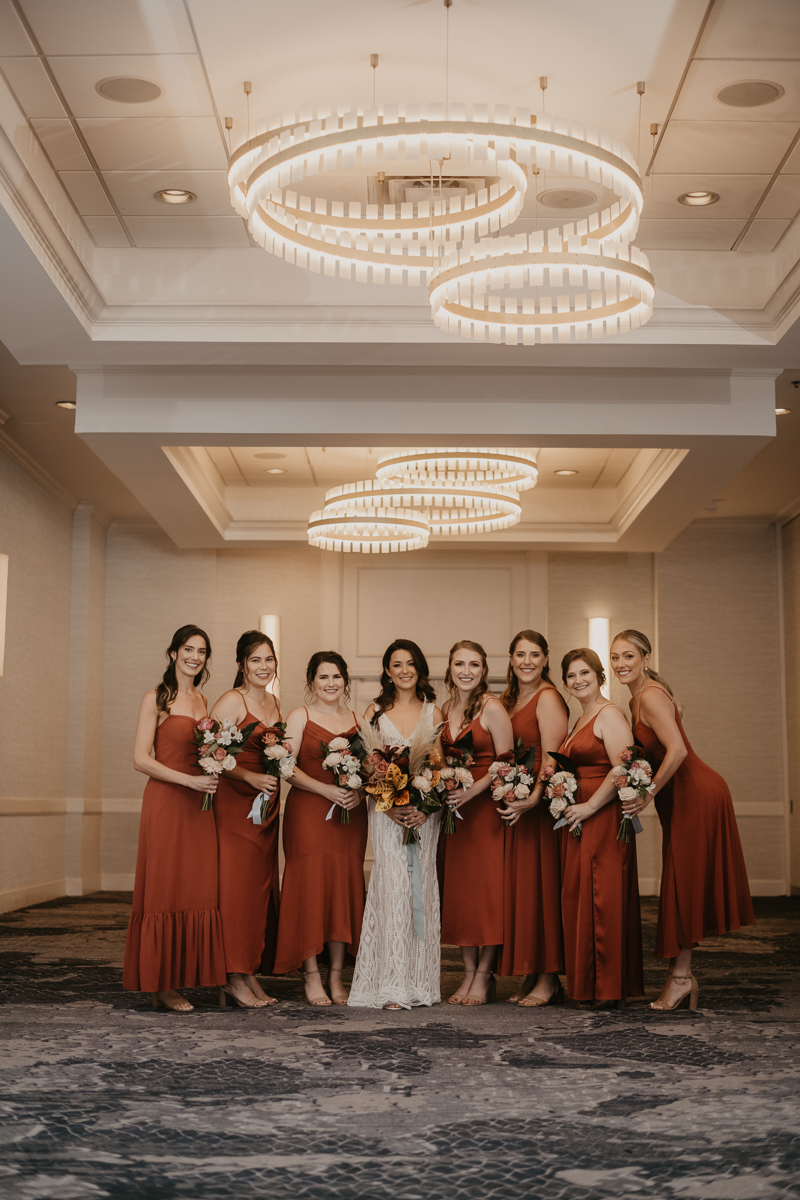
167 690
475 701
510 696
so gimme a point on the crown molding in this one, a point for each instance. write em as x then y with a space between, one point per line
37 472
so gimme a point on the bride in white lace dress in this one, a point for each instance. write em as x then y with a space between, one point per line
395 968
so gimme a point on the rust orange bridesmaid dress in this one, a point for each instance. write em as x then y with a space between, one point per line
175 932
472 896
533 939
248 866
600 889
323 880
704 886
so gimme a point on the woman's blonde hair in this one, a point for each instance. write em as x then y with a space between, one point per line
642 644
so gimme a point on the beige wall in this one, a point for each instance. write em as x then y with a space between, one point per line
790 537
108 603
36 534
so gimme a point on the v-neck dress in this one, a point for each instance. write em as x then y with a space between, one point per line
533 938
175 932
600 889
322 899
248 865
472 895
704 885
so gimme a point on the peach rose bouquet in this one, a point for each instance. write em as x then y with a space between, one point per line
218 743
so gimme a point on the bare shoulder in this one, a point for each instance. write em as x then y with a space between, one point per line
298 714
230 702
492 704
370 713
612 717
655 700
552 699
438 715
149 701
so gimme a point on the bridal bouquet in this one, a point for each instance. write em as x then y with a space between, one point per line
404 775
511 780
218 743
561 788
632 778
342 759
457 775
277 760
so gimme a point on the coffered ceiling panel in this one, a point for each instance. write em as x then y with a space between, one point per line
107 232
13 38
116 27
724 147
134 192
693 234
87 192
156 143
740 28
783 199
188 231
763 236
738 195
61 145
180 77
697 101
32 87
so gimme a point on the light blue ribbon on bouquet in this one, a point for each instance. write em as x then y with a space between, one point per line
255 812
412 854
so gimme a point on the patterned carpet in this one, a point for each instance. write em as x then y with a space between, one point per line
103 1096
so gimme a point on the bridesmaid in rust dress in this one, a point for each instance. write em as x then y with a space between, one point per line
175 933
322 903
248 850
704 886
600 890
533 941
472 899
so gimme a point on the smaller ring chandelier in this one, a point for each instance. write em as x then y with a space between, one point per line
421 494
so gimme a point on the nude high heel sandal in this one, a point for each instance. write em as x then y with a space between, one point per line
537 1002
491 993
158 1002
322 1001
691 996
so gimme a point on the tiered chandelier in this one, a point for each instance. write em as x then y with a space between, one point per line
562 284
419 494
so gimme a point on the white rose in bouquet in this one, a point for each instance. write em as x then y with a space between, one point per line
287 766
354 782
521 791
228 763
333 760
422 783
557 806
627 793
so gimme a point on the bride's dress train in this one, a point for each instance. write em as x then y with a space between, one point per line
393 965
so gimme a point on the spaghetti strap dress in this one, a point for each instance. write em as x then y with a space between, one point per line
600 889
248 865
533 939
175 932
472 896
704 885
323 881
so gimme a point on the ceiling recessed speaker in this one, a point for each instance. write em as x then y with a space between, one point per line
127 90
749 93
566 198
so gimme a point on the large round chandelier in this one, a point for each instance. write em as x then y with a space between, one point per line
510 468
579 279
368 530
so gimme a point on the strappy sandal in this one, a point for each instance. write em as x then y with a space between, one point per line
661 1006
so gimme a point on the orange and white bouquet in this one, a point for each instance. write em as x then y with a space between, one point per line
457 775
561 788
633 777
218 743
277 760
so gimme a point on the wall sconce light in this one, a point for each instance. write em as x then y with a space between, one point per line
271 626
599 635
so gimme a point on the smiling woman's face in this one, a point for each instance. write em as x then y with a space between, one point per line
329 683
581 681
528 661
402 671
628 662
191 657
466 669
260 666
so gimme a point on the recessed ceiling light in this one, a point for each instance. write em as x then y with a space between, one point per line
782 412
698 199
126 89
70 404
749 93
566 198
175 196
268 454
566 472
276 470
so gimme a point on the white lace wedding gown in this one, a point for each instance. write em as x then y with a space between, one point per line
393 965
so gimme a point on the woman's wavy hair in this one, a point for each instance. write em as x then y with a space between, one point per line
314 664
388 693
642 644
167 690
475 701
590 657
245 646
510 696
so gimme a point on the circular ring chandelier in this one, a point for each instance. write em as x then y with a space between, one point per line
510 468
450 507
572 291
368 531
409 239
